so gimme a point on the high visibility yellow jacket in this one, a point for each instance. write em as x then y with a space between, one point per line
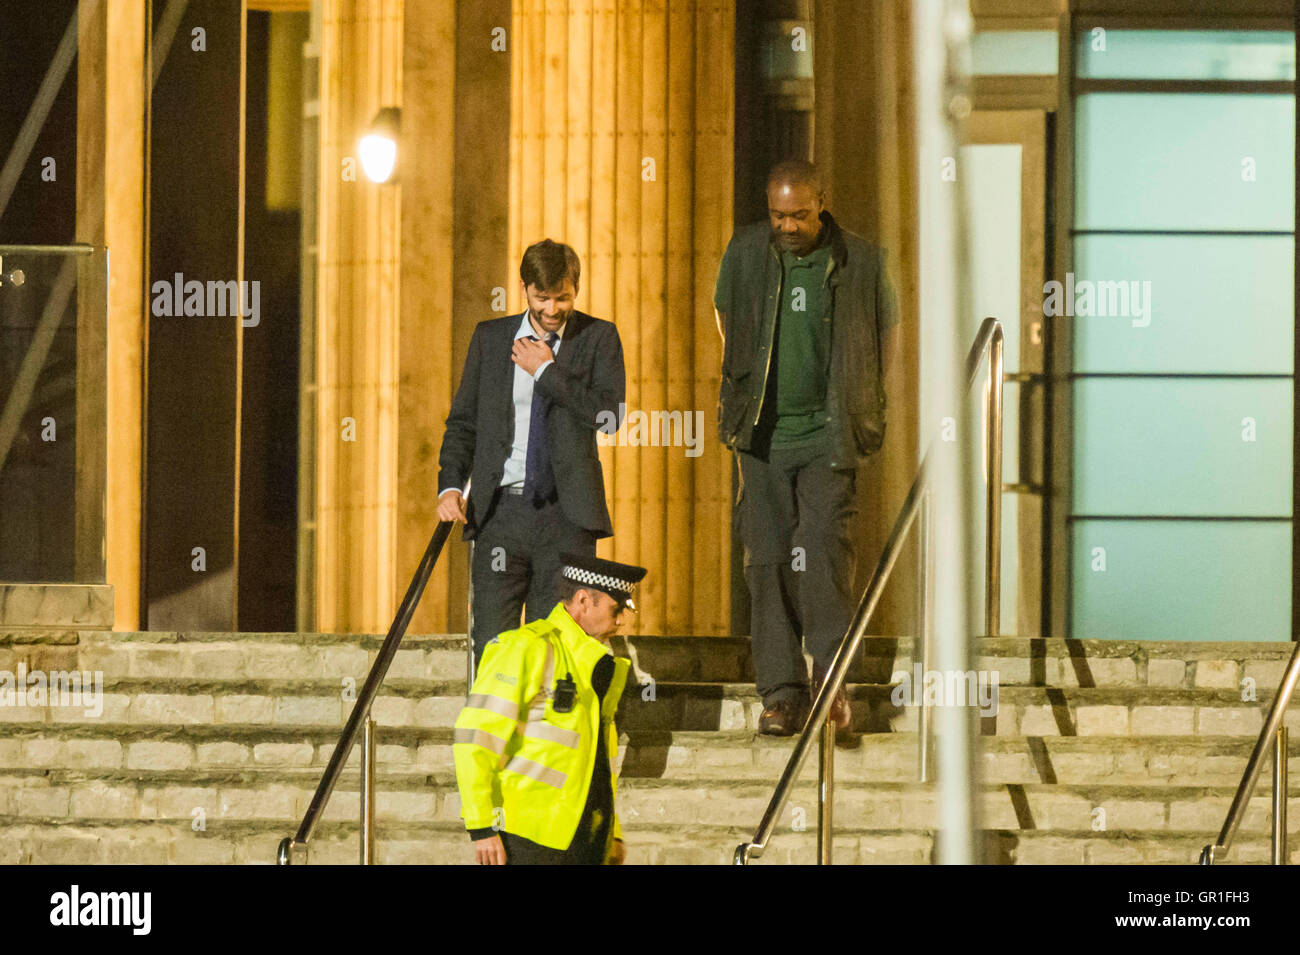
521 766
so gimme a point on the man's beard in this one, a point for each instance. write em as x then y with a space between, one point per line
562 317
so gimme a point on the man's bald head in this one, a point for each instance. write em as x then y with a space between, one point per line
797 172
794 205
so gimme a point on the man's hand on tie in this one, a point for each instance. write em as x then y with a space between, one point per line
529 354
490 851
451 507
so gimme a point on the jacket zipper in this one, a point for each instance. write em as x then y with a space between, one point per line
830 372
771 337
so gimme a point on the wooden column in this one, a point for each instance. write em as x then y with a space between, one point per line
112 96
406 272
111 106
425 369
455 214
481 210
621 146
358 328
863 145
714 105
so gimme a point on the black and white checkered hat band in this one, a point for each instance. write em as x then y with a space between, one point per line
598 580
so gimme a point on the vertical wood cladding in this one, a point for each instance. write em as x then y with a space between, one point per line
358 323
621 145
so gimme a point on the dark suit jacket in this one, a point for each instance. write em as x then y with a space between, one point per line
586 379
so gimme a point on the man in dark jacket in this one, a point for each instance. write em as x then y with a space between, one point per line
805 309
523 424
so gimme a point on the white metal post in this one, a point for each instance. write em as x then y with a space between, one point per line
941 47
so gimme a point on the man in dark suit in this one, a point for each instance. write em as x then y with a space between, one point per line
523 426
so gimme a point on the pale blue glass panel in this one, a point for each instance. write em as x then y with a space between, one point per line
1186 54
1175 447
1181 580
1180 161
1194 303
1015 53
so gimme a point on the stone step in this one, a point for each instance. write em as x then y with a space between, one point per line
886 806
1021 710
444 843
223 797
268 704
675 755
440 658
1018 661
87 747
893 757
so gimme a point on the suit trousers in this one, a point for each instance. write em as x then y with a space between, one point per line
517 563
795 514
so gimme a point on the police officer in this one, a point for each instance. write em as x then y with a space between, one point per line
535 741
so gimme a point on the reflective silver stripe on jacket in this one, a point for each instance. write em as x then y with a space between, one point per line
494 704
494 744
543 774
537 705
540 729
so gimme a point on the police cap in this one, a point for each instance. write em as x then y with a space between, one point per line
607 576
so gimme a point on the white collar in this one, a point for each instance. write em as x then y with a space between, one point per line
526 327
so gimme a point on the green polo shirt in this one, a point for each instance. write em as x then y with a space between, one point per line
803 348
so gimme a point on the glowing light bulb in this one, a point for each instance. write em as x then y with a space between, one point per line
378 156
378 147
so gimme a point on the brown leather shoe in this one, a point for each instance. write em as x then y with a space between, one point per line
839 714
783 718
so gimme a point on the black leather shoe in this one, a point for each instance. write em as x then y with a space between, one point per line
839 714
783 718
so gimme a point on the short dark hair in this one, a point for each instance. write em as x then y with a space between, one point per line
565 587
797 172
547 264
568 589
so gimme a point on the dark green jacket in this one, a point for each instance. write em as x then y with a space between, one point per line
863 306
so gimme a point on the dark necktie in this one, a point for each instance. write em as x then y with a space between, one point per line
539 479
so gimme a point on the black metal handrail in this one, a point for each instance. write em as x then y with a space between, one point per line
294 849
988 339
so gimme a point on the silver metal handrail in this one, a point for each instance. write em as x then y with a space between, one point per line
293 850
1274 734
989 339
